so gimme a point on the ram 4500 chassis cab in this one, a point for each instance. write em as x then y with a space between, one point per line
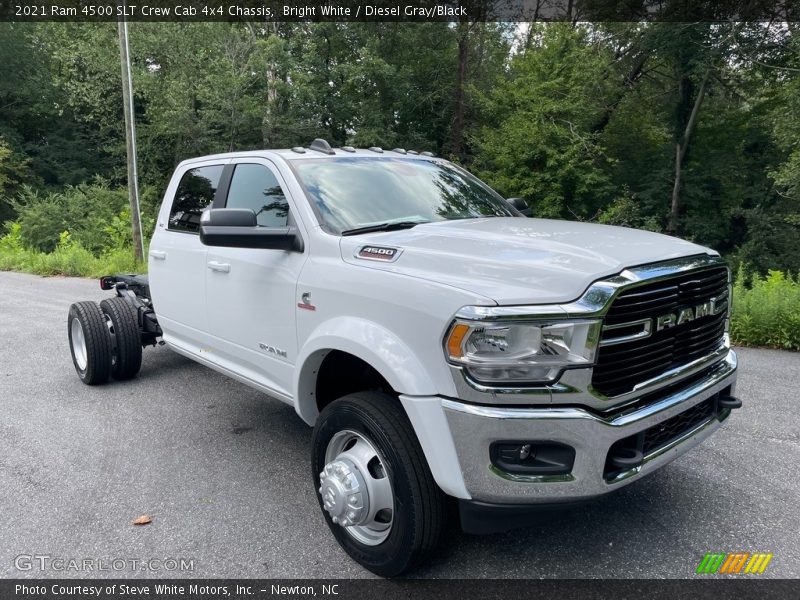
452 355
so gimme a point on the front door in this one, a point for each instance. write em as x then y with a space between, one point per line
250 293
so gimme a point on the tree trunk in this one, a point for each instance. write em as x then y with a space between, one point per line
680 154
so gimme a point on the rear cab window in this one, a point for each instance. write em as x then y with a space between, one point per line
195 193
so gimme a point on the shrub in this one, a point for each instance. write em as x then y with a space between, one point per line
766 310
68 258
89 209
82 231
85 210
12 241
41 220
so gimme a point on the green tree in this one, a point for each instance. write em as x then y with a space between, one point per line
537 140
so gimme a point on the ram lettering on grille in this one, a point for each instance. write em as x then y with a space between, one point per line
659 326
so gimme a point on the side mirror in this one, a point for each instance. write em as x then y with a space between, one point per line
521 205
238 228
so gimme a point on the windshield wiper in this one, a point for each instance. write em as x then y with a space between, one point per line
387 226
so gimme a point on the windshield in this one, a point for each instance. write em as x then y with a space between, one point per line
355 192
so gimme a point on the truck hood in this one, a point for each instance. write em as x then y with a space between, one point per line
513 260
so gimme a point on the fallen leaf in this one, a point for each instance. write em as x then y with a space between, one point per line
143 520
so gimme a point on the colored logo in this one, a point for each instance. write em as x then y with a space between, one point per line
734 563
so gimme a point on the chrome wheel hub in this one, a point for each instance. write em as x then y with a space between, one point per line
355 488
344 493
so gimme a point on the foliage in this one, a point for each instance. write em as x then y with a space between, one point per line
68 258
766 310
11 242
537 142
87 211
13 170
51 144
625 212
785 125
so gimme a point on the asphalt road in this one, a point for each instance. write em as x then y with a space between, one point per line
223 471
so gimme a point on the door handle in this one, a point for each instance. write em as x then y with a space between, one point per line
158 255
219 267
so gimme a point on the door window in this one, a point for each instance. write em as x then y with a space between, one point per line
256 187
195 193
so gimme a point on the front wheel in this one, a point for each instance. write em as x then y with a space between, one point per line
374 486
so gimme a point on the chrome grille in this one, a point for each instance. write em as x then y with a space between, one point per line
621 366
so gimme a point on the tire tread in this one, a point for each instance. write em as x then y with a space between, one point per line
98 341
128 339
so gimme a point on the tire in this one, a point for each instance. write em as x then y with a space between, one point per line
89 342
419 516
126 351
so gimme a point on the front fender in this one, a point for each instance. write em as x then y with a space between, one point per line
372 343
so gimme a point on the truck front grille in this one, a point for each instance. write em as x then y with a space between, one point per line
621 366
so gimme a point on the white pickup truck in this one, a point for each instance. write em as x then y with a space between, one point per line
453 356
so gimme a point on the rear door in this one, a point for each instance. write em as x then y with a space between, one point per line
177 259
251 293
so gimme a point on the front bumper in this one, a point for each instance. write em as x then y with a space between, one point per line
473 429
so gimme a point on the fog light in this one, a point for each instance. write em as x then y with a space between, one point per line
532 458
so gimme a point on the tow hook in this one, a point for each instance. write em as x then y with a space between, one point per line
729 402
626 458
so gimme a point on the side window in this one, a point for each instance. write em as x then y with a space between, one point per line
254 186
195 192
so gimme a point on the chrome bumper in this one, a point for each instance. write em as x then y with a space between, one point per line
474 428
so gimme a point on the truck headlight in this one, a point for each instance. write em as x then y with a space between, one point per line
529 352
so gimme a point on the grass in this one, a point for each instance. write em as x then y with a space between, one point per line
69 258
766 311
75 262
